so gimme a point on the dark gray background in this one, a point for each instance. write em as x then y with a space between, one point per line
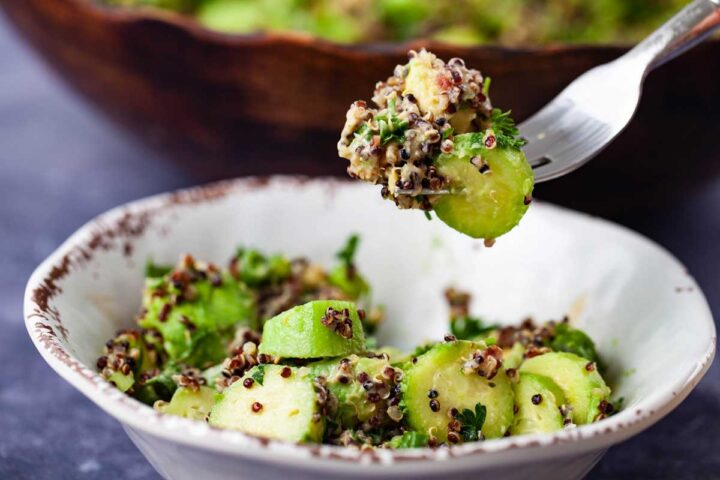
61 164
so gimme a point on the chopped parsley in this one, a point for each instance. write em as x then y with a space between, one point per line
259 374
472 422
391 127
347 253
466 328
154 270
410 439
448 133
572 340
506 133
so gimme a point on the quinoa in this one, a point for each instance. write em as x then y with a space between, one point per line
396 143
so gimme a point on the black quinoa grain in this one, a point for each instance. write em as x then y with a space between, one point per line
454 412
101 363
433 393
164 312
453 437
536 399
434 405
590 366
449 338
257 406
248 383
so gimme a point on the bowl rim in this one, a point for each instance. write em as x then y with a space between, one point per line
45 329
138 14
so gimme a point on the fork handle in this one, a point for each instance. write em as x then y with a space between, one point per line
683 31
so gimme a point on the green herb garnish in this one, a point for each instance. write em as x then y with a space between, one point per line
472 422
506 133
448 133
256 269
154 270
427 215
391 127
409 439
486 86
259 374
347 253
467 328
572 340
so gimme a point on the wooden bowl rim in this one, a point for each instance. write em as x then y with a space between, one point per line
135 15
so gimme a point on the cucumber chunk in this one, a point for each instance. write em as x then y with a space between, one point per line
514 356
195 330
582 385
489 204
364 388
538 402
283 405
438 376
301 333
348 281
188 403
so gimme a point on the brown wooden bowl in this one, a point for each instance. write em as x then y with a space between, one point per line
227 105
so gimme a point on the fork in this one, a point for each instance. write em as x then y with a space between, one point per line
585 117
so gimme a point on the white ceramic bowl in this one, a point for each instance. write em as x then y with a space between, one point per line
649 318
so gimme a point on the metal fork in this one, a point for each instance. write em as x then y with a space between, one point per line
585 117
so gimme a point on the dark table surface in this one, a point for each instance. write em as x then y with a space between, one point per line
61 164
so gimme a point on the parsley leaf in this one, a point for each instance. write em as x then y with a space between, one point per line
466 328
472 422
448 132
347 253
572 340
409 439
506 133
154 270
391 127
259 374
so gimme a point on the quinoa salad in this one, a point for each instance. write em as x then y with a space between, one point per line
434 142
288 349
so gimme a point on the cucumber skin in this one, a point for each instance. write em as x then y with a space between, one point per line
541 418
299 333
491 204
583 389
416 401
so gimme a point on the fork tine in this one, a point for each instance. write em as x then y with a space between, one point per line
576 140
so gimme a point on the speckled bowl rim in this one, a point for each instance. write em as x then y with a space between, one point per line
45 328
